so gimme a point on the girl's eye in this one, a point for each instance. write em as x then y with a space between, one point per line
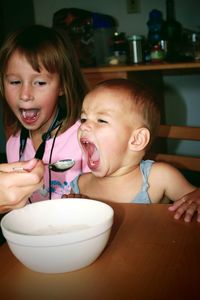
15 82
40 83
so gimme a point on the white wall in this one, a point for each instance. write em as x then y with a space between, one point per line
187 12
182 100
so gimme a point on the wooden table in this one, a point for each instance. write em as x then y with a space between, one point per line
149 256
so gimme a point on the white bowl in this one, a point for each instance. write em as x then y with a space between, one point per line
60 235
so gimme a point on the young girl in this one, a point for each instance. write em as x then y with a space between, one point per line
119 120
42 89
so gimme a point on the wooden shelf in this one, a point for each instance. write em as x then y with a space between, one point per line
143 67
141 71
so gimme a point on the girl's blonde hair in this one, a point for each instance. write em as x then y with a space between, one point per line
52 49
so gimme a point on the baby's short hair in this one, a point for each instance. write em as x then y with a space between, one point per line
144 98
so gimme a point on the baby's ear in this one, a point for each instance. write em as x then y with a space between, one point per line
139 139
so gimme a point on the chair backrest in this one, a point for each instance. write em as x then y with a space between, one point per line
180 133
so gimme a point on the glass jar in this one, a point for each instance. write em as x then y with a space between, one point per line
196 45
135 49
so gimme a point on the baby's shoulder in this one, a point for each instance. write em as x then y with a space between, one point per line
163 172
159 166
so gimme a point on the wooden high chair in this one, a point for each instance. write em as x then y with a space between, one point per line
180 133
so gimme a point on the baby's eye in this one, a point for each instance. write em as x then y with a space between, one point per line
83 120
102 121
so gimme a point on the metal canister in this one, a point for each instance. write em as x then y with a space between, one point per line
135 49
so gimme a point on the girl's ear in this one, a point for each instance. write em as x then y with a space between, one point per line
139 139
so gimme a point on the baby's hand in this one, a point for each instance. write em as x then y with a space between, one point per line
187 206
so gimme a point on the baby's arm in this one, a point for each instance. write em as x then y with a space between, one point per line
167 180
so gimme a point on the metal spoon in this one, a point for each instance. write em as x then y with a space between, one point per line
62 165
58 166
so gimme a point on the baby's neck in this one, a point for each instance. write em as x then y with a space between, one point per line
119 188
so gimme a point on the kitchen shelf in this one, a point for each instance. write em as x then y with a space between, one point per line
143 67
145 72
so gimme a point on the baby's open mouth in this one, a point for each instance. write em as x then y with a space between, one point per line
91 153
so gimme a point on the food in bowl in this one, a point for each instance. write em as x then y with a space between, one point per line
61 235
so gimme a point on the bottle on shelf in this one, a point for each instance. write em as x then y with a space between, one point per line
119 49
155 36
196 45
157 54
155 26
172 32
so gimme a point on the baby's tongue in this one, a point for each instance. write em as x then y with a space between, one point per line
93 153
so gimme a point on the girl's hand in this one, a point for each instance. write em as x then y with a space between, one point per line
187 206
16 187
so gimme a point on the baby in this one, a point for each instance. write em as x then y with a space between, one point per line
119 120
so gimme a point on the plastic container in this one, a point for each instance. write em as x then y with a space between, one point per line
155 27
103 38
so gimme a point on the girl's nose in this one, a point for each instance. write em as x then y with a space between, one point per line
26 93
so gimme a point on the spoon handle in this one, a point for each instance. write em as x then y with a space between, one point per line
22 168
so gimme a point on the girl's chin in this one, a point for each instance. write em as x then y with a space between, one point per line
29 123
29 126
